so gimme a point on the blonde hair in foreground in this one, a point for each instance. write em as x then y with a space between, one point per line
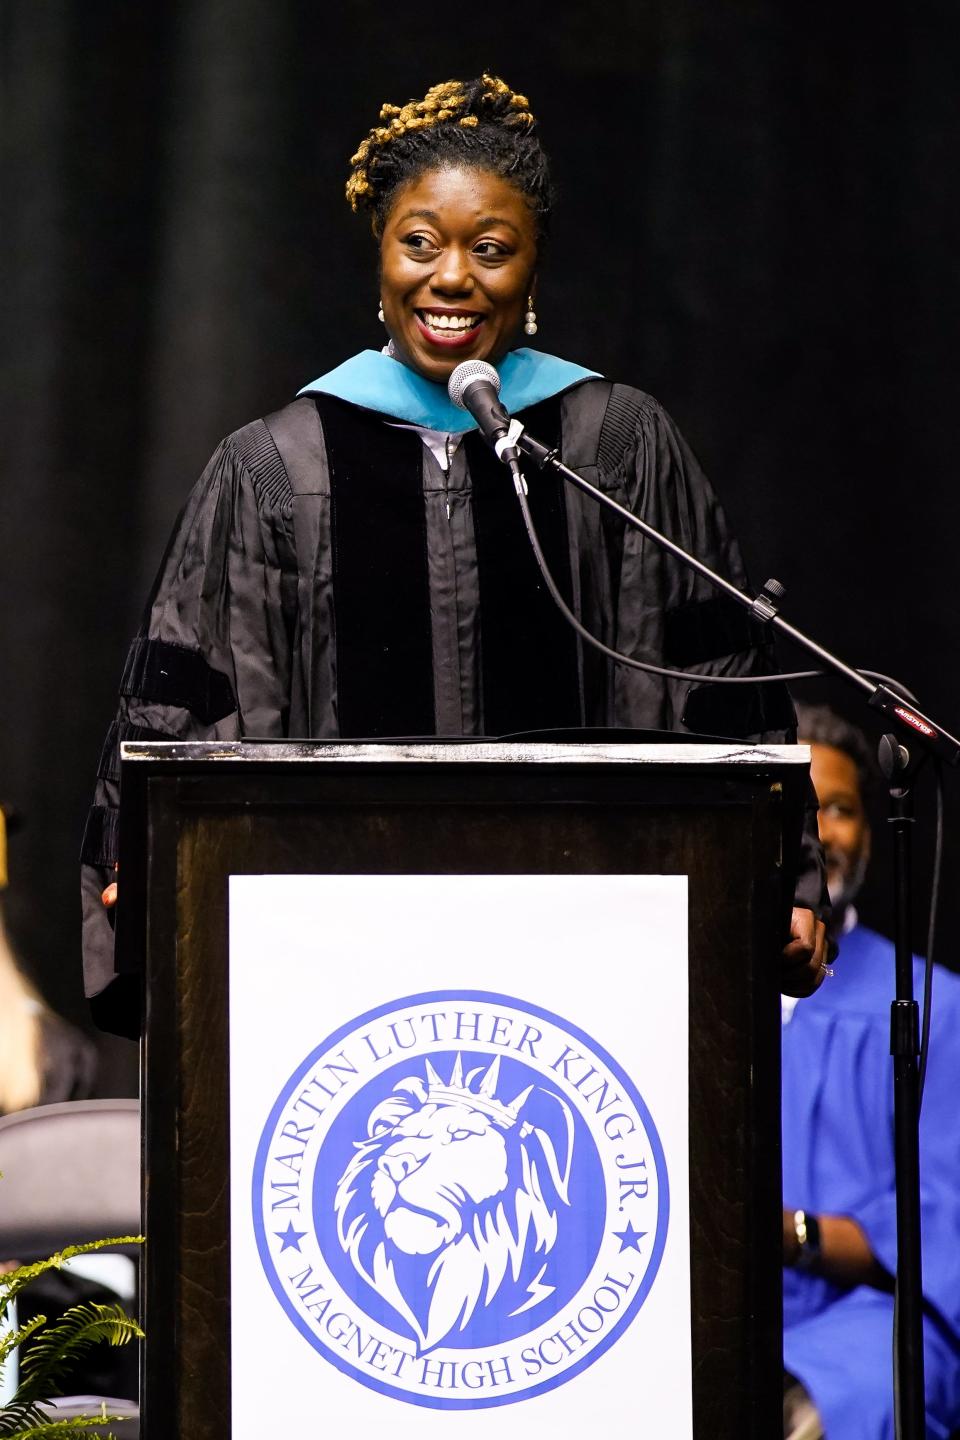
21 1075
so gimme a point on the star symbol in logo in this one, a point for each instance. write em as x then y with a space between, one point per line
291 1238
629 1238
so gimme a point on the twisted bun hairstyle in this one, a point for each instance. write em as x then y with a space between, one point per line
479 123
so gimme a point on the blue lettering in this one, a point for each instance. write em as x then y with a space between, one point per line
380 1352
600 1090
335 1071
432 1018
567 1058
302 1282
570 1338
636 1188
531 1364
607 1290
550 1340
359 1345
463 1022
590 1311
500 1024
441 1374
292 1131
302 1100
339 1333
413 1034
502 1364
292 1162
529 1030
373 1049
290 1199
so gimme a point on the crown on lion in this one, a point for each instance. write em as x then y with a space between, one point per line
484 1098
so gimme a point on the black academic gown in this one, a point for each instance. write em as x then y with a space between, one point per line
327 579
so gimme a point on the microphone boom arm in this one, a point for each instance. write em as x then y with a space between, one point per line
905 716
905 1041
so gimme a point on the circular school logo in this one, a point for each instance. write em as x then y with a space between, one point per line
460 1200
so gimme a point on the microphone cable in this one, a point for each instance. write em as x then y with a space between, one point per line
619 658
646 665
494 424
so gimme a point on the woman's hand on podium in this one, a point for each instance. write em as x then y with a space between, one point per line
109 895
805 955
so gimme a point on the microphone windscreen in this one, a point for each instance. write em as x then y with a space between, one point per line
467 371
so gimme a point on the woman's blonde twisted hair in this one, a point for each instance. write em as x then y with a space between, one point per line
478 122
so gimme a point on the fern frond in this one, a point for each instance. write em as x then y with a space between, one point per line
13 1338
19 1415
77 1429
54 1353
15 1280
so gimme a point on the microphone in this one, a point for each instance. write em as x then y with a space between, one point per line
475 386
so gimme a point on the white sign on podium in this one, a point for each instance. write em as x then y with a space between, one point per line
459 1155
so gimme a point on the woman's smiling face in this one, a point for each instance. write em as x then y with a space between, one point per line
457 260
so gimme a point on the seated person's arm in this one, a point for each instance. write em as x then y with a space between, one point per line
843 1254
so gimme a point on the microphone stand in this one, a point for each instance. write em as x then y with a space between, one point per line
896 763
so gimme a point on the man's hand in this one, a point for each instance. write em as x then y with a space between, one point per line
805 956
845 1254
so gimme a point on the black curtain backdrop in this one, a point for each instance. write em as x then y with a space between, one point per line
758 225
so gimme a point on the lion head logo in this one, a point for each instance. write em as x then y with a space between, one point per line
454 1197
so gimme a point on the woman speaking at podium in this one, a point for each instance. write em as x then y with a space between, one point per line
356 564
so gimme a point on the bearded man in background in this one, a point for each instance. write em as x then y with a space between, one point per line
839 1218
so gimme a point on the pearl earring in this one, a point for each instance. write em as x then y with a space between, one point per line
530 319
380 313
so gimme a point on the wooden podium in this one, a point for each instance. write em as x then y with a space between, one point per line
726 816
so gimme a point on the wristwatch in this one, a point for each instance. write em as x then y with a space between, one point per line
807 1230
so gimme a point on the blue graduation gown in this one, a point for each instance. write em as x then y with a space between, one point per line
838 1159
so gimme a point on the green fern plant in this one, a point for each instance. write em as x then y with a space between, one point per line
55 1349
